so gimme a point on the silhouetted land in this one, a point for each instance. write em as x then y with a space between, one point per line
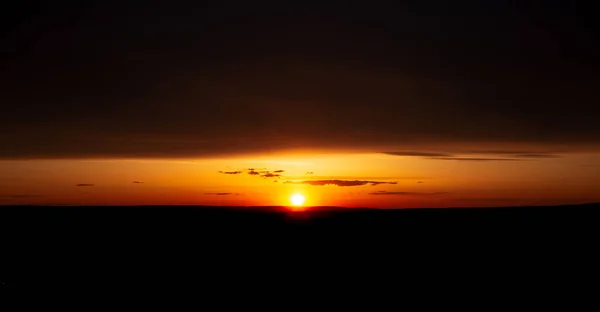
239 247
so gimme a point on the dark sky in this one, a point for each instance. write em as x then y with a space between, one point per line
171 79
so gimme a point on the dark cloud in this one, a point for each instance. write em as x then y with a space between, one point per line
84 184
537 156
352 177
502 152
230 172
468 155
137 182
517 154
339 182
258 172
111 82
406 193
475 159
486 199
221 194
270 175
416 153
377 183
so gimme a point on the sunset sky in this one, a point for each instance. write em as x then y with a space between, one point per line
431 104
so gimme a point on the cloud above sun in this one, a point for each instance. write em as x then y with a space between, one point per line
261 172
339 182
270 175
278 174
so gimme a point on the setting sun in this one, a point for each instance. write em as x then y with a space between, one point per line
297 200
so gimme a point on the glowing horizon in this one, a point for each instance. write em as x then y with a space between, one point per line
376 180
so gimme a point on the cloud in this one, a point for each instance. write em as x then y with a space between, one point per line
537 156
517 154
309 172
456 88
137 182
84 184
356 177
469 155
230 172
475 159
524 153
221 194
416 153
377 183
486 199
262 172
407 193
339 182
270 175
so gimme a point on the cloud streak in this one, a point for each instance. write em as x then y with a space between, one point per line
497 155
485 199
230 172
262 172
406 193
339 182
221 194
84 184
270 175
475 159
417 153
538 156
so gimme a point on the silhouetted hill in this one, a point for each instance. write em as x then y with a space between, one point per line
95 246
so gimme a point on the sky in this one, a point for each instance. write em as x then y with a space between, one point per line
410 104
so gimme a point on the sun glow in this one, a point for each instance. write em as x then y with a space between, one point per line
297 199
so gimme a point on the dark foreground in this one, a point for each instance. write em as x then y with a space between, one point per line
265 250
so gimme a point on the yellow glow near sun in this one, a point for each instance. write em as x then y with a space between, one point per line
297 199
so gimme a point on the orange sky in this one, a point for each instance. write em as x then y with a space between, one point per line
406 181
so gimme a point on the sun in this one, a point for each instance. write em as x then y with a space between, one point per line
297 199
